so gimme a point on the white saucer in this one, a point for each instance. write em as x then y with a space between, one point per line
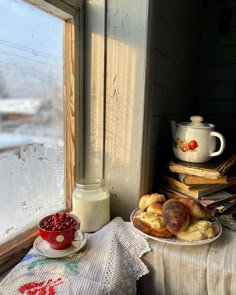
42 247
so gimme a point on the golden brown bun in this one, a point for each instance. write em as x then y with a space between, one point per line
151 224
155 208
196 209
197 230
147 200
176 216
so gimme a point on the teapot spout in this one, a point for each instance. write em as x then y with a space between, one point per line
173 128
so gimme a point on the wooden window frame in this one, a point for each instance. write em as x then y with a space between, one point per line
71 11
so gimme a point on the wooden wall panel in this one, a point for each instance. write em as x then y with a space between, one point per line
174 45
223 73
217 91
125 83
160 103
160 73
94 87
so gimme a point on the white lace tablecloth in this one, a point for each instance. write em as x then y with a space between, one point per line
109 264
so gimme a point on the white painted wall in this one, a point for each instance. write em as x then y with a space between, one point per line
117 104
125 88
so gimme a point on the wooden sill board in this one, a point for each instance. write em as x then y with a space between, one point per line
13 251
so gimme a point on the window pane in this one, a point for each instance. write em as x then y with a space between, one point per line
31 116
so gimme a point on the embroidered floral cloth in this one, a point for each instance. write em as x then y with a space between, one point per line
109 264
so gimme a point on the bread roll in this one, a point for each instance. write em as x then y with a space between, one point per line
175 215
155 208
147 200
151 224
196 209
197 230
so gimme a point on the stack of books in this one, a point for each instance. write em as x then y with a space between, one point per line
202 181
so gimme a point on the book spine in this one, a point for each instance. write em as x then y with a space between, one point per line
175 168
194 180
179 186
224 167
211 189
172 181
173 193
216 190
201 187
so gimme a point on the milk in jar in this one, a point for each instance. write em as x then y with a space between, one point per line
91 204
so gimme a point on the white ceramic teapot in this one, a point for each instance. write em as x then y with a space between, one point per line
195 141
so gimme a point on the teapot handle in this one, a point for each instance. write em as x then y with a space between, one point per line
222 143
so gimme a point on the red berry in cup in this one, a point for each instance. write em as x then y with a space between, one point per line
58 222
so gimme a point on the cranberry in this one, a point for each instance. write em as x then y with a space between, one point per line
58 222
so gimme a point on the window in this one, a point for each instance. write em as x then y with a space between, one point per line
31 106
55 193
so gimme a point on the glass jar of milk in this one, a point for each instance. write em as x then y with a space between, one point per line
91 203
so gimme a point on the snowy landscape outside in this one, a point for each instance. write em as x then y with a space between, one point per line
31 116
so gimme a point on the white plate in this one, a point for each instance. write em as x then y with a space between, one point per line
174 240
42 247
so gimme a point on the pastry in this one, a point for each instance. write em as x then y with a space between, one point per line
184 218
196 209
197 230
175 215
155 208
151 224
147 200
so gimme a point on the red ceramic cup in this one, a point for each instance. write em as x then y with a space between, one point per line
60 230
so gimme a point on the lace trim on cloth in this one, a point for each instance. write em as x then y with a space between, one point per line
109 264
124 263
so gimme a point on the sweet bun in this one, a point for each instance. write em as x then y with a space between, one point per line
151 224
196 209
175 215
147 200
197 230
155 208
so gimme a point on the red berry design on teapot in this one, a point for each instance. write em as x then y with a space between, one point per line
185 145
192 145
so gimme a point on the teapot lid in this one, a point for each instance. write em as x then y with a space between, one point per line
196 122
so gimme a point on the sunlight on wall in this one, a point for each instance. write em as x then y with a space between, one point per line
120 102
97 93
120 94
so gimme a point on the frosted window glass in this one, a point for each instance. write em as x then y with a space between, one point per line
32 185
31 117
